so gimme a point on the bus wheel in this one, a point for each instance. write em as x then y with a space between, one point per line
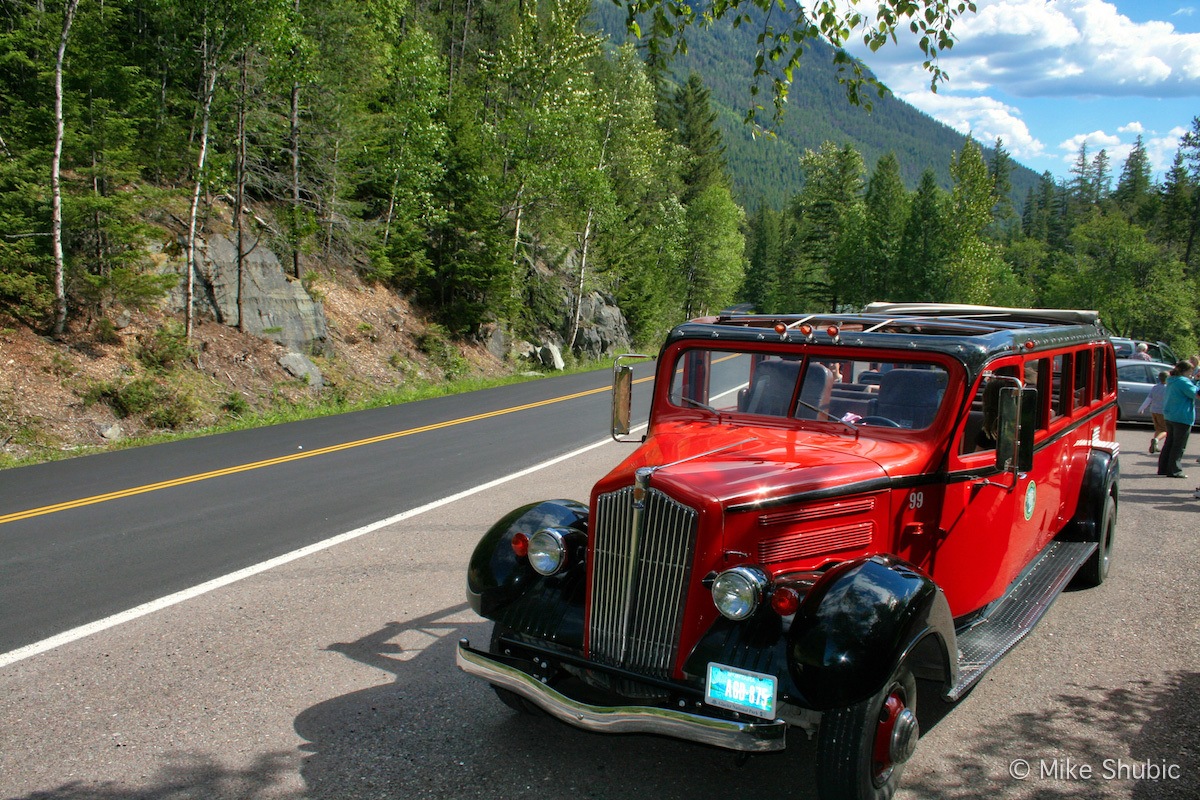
862 750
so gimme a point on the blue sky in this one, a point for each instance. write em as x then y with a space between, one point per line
1047 75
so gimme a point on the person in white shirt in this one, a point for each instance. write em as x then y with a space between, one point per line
1154 404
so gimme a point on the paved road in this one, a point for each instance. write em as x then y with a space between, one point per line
223 503
332 678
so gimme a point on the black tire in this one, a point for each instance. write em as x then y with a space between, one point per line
850 740
1095 569
509 698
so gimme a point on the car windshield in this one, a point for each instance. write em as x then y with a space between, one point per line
890 393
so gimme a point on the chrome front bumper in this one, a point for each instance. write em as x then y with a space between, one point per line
759 736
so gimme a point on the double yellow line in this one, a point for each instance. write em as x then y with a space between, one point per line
271 462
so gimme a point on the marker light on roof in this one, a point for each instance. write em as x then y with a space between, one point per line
833 331
806 329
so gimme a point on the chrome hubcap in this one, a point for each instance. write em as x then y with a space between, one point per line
905 733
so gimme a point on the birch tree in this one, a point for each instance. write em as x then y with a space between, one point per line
60 283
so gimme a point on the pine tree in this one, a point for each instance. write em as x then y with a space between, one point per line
1134 194
1190 147
925 245
1001 168
697 133
887 211
761 286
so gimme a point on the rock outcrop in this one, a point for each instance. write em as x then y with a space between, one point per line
275 307
603 330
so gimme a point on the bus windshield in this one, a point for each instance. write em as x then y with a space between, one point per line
889 393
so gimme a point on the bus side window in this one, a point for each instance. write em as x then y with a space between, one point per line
1083 383
1060 387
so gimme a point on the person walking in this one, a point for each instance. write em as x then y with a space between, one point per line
1142 352
1179 411
1154 404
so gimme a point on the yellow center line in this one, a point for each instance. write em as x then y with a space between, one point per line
271 462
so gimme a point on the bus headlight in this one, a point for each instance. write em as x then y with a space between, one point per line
738 592
548 551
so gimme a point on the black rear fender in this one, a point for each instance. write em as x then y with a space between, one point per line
1101 479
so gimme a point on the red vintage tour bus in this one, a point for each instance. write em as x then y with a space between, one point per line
824 508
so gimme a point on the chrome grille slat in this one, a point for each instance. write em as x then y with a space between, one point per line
664 557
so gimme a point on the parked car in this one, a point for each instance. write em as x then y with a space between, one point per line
1158 351
824 508
1134 379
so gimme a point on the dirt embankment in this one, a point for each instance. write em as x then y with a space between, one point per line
101 383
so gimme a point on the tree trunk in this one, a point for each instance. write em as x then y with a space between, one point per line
239 198
518 208
210 82
391 212
331 203
587 236
60 280
294 138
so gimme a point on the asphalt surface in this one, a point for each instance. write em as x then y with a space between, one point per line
226 502
332 677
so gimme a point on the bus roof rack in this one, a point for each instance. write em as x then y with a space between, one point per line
1053 316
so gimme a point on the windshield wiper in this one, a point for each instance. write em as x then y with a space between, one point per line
698 404
853 428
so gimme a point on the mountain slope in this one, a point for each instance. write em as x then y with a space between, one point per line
768 170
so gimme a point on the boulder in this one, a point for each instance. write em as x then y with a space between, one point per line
551 356
299 366
111 432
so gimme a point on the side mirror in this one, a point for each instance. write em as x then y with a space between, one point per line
1008 428
1029 420
622 396
1017 423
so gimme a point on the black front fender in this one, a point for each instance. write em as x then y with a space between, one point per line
859 622
506 589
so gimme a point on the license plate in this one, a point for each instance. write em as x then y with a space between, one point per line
741 690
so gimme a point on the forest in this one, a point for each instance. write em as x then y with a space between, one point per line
497 161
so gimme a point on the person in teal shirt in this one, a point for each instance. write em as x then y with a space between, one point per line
1179 411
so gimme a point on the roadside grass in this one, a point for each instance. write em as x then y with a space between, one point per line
238 417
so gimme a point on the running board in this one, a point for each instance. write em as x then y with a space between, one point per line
982 645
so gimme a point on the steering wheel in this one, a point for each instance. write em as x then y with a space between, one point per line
882 422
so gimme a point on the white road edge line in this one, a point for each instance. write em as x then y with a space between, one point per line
83 631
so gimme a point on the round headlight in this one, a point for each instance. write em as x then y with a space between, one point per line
547 551
738 592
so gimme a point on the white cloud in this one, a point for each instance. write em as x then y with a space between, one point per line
1162 149
1071 64
1052 48
1096 141
984 117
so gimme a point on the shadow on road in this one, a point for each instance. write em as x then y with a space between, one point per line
437 733
188 777
1157 724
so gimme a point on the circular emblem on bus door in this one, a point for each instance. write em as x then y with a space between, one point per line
1030 499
